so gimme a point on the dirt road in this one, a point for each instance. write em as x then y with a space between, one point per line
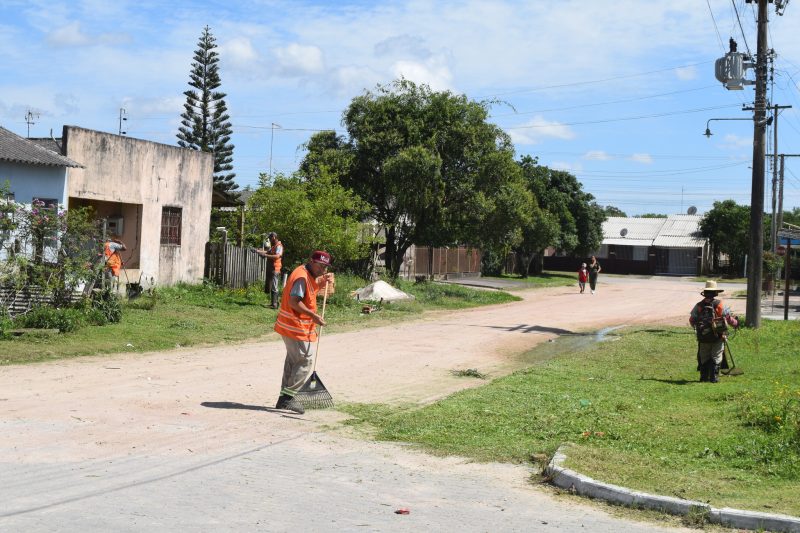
187 439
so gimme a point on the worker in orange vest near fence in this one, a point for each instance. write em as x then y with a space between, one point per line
111 249
273 254
296 323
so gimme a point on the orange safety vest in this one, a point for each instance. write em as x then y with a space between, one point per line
276 262
290 323
113 260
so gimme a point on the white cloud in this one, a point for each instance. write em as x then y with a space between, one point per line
239 53
686 73
299 60
734 142
153 105
433 72
645 159
597 155
72 35
566 166
537 129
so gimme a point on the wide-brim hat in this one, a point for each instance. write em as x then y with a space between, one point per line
711 286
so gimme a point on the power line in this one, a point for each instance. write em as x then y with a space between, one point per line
719 37
602 80
604 103
736 10
622 119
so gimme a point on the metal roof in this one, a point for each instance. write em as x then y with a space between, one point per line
16 149
675 231
680 231
642 229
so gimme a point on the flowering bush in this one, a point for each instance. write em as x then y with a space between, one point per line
45 247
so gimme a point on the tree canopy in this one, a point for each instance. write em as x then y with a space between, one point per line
613 211
307 215
727 228
205 123
430 167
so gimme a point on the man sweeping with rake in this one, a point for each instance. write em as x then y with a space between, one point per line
296 323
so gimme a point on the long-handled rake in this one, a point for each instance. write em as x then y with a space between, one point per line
732 370
313 394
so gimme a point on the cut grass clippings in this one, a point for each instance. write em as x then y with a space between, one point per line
189 315
637 416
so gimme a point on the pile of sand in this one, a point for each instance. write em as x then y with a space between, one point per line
380 290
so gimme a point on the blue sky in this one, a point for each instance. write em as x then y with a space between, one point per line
616 91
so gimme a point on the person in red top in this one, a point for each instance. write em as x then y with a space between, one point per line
296 323
274 254
710 320
583 275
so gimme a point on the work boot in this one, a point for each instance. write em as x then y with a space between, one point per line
714 373
274 300
704 377
290 403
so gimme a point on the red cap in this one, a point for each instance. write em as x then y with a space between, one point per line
323 258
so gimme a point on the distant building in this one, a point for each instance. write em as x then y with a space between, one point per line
632 245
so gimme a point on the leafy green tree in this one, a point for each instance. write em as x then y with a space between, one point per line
307 215
205 123
431 168
579 218
727 228
651 215
612 211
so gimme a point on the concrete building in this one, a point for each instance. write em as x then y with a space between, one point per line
157 197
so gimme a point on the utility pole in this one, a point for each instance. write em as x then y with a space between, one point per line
774 227
271 138
755 257
780 186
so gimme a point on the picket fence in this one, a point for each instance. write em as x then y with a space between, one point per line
233 266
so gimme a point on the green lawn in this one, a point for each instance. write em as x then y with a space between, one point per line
189 315
637 417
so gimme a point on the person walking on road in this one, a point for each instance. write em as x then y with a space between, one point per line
594 270
296 323
273 254
710 320
583 275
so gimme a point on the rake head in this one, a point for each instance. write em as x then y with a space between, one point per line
313 394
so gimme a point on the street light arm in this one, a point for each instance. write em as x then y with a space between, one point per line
708 131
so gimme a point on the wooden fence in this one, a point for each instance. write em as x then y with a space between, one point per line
20 301
443 262
233 266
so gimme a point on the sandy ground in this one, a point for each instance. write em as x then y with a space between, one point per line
187 439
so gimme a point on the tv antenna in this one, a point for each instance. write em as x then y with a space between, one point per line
30 119
623 232
692 210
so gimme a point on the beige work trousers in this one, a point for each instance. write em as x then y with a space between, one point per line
710 350
297 366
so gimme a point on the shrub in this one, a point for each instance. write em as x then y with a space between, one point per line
64 320
108 304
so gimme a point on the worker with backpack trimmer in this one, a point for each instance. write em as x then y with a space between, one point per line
710 320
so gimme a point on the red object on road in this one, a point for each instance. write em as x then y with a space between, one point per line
403 510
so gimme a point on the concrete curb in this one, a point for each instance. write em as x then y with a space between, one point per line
578 483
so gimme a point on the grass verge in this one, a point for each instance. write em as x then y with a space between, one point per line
188 315
637 416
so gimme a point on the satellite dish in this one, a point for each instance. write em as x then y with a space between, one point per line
692 210
623 232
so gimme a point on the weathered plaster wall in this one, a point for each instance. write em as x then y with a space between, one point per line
154 175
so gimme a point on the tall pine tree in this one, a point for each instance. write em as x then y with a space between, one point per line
205 124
